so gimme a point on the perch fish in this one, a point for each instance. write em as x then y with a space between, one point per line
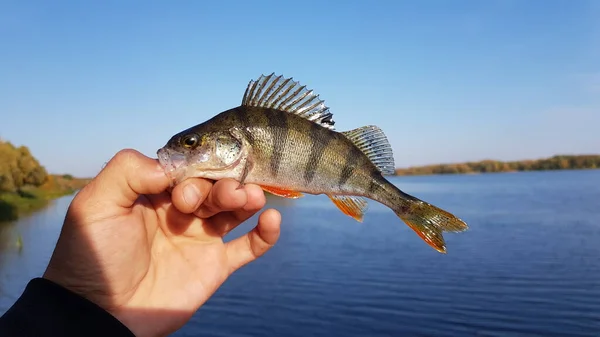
282 138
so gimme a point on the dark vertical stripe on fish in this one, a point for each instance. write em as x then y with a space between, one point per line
278 123
349 165
319 141
374 186
244 121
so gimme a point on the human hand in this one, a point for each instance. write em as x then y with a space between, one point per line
151 258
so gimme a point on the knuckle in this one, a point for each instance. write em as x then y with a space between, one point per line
203 185
220 194
221 199
125 157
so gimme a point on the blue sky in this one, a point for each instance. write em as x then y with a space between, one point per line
448 81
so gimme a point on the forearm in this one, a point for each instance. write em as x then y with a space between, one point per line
47 309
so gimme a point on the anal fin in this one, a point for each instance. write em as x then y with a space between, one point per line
280 192
350 205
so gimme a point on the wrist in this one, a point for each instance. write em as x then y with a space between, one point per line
46 307
125 316
150 322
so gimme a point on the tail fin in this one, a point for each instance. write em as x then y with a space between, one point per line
428 221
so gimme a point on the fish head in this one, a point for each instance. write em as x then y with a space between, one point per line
201 153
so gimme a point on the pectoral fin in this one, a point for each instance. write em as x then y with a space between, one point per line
352 206
247 168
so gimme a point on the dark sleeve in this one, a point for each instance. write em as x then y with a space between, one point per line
47 309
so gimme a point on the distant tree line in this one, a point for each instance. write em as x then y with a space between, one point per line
559 162
18 168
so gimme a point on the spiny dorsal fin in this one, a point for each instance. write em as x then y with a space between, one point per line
372 141
287 95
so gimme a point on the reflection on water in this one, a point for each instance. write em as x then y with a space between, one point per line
19 263
529 266
6 235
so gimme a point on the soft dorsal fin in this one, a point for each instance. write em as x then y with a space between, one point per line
287 95
373 142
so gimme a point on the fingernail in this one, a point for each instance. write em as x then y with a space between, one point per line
191 195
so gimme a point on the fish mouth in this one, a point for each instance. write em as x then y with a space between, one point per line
170 161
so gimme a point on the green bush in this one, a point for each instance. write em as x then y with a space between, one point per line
18 168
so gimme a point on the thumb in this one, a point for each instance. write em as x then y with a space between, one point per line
127 175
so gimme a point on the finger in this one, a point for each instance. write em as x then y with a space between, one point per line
225 222
126 176
224 196
255 243
190 194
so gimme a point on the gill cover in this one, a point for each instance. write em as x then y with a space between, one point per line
228 148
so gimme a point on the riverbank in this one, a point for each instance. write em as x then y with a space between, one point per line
31 198
559 162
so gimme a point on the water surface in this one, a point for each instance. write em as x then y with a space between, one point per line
528 266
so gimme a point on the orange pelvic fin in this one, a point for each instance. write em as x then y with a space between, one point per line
280 192
350 205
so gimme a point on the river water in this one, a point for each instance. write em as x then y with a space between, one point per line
528 266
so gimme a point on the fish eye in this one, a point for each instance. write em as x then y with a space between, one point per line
189 141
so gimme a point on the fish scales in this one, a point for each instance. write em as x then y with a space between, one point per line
295 153
282 138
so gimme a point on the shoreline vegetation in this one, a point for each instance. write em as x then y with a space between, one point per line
558 162
26 186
